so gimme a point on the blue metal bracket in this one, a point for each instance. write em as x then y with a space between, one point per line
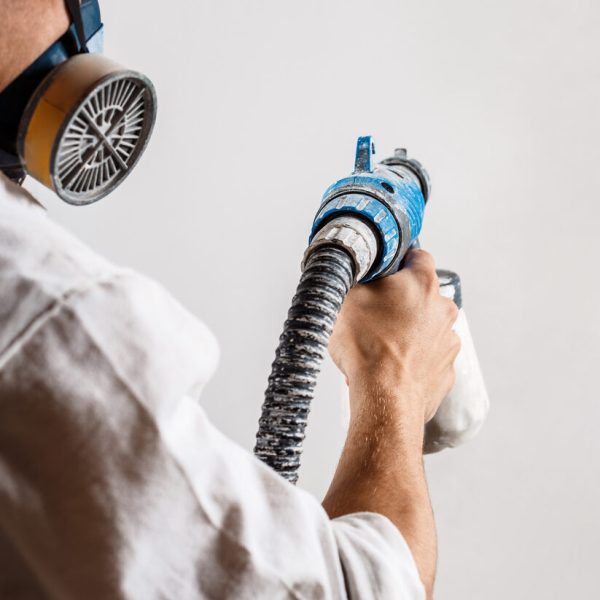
365 148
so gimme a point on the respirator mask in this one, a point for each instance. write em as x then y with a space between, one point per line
75 120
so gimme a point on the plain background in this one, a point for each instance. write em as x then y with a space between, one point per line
260 105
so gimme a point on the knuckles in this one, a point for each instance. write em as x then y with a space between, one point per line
449 308
452 310
432 283
456 342
420 258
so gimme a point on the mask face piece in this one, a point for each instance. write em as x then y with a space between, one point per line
83 120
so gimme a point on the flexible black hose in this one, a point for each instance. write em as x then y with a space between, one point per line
328 276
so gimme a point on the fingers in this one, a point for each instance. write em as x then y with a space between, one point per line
455 345
422 265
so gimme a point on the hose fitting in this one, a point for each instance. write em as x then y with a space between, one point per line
351 234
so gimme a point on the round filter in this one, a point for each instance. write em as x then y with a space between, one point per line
86 127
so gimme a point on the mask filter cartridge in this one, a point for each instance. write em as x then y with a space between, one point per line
85 127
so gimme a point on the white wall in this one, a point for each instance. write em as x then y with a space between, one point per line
260 103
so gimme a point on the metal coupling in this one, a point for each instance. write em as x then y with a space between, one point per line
354 236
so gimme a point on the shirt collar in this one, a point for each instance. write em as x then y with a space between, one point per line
17 193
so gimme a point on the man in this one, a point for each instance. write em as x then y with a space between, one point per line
113 484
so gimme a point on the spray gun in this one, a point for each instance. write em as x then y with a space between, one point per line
365 225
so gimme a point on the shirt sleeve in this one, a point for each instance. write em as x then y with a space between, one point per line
114 484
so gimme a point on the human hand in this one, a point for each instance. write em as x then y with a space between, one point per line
397 331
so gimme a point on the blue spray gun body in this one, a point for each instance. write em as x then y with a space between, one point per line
365 225
390 197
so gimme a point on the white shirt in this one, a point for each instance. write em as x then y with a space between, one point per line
113 483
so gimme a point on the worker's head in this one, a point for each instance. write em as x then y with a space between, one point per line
71 118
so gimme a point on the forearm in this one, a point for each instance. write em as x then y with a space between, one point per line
381 468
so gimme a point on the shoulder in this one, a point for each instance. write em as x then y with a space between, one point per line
40 263
73 305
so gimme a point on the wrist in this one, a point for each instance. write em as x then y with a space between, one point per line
385 401
388 374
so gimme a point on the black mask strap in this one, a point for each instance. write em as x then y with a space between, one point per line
74 8
11 166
